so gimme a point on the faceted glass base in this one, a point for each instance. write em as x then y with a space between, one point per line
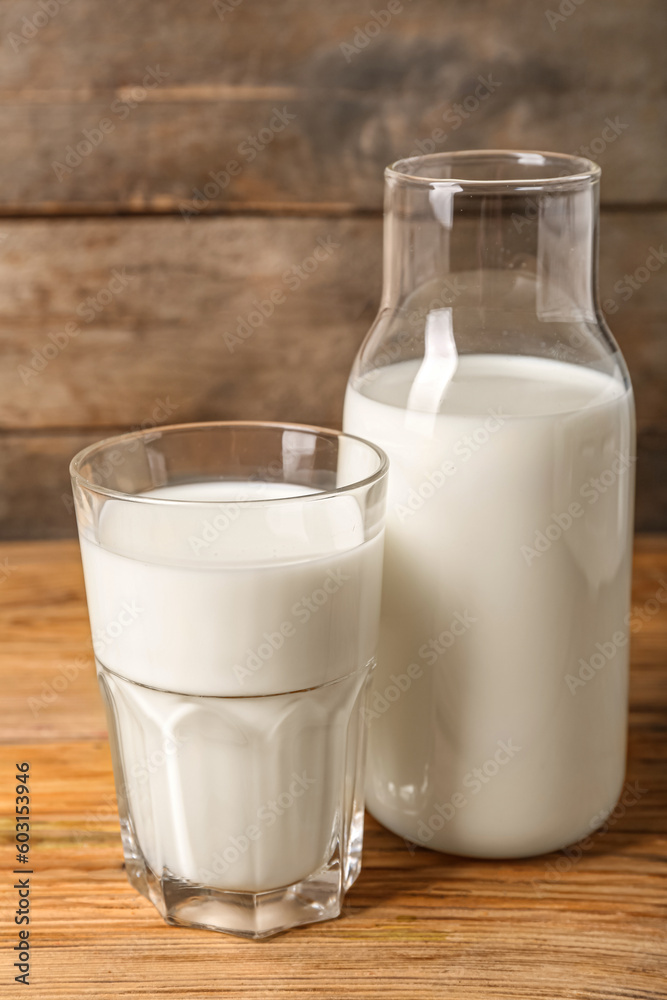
246 914
250 818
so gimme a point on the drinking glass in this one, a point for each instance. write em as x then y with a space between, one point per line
233 575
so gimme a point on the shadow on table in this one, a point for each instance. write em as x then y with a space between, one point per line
396 872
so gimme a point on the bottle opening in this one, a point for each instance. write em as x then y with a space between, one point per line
495 168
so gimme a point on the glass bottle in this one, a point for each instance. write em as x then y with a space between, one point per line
497 722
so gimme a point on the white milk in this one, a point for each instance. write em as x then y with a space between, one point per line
233 643
498 712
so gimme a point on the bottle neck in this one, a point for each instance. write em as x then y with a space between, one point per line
521 251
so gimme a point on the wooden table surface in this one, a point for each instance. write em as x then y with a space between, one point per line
416 925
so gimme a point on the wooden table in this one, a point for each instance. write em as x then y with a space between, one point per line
415 926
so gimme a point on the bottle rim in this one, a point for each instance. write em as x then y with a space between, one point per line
477 170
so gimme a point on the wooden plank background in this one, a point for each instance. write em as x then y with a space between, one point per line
155 276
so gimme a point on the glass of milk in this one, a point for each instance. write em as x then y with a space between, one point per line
497 720
233 576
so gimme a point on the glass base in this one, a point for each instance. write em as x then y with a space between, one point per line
254 915
297 818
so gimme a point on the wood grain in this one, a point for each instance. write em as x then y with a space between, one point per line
355 110
172 329
164 346
36 497
415 925
359 98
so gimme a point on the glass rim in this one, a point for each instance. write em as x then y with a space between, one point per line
153 432
574 170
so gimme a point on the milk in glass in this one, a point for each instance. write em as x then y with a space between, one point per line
233 643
